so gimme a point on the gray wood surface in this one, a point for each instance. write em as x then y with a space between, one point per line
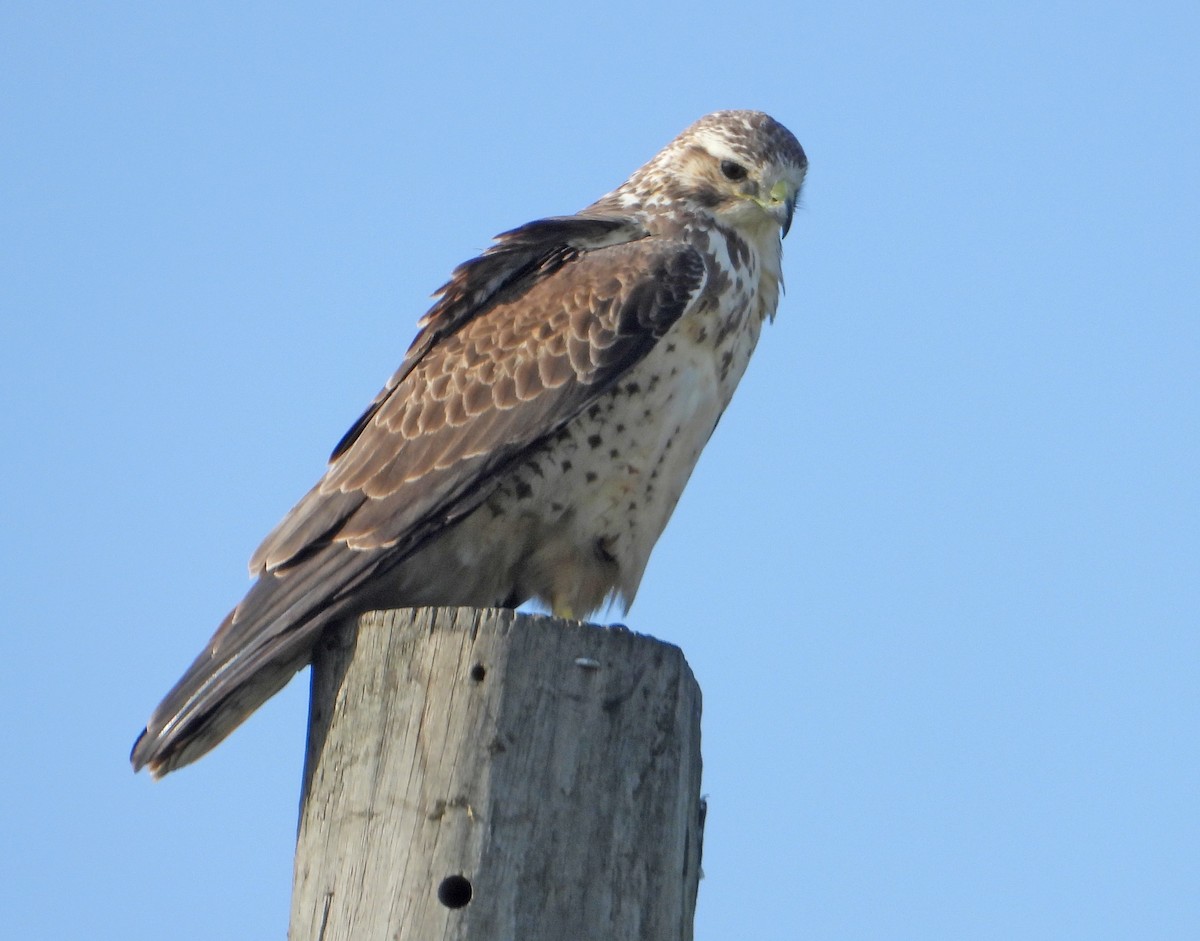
547 768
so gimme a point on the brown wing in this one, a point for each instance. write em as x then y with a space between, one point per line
522 339
517 260
513 350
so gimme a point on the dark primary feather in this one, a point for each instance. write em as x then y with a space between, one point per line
509 354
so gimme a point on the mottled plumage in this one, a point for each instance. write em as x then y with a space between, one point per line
540 430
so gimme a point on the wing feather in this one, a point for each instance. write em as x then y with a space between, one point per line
522 339
500 385
405 475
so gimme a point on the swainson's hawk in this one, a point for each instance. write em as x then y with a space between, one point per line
540 430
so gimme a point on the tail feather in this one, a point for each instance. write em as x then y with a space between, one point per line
215 696
259 646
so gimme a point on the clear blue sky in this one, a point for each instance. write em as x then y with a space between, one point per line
938 572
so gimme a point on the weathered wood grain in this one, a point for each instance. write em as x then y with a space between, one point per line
547 768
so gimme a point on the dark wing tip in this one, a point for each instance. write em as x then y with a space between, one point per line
142 756
136 757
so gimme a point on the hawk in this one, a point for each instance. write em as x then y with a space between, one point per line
540 430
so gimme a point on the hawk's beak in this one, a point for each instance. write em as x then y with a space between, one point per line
782 205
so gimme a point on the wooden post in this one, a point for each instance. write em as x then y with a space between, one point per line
478 774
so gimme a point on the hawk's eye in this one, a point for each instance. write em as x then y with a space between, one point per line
733 171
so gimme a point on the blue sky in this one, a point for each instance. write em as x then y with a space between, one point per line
938 573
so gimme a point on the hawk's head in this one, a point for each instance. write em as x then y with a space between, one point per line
743 167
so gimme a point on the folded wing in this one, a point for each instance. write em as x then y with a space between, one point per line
521 340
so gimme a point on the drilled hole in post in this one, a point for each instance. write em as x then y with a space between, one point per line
478 672
455 891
